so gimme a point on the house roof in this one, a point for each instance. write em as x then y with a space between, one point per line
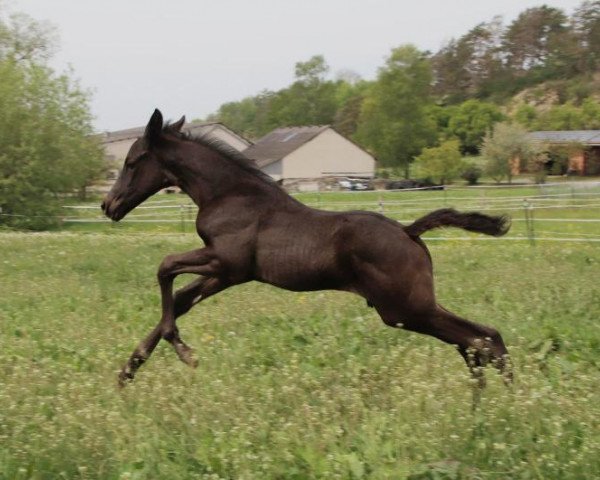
280 143
586 137
195 128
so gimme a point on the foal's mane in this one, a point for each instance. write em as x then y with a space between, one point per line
225 150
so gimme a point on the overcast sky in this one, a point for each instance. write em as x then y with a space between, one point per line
190 56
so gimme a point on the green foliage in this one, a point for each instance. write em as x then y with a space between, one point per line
24 39
45 144
460 91
494 62
470 122
471 173
442 164
507 144
310 100
350 100
242 116
394 121
586 25
560 154
526 115
533 38
466 66
567 116
312 71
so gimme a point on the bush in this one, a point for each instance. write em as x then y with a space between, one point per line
442 164
45 144
472 173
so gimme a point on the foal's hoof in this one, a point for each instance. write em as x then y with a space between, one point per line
125 377
505 367
186 355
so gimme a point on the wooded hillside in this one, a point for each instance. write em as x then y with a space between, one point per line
541 71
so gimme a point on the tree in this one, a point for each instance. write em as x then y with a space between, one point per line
442 164
471 121
507 144
534 38
394 122
561 117
46 148
348 115
350 96
570 117
312 71
526 115
240 116
24 39
464 66
586 25
590 109
310 100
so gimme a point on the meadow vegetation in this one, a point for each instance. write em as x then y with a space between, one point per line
292 385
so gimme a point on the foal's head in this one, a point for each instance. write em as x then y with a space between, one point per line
143 173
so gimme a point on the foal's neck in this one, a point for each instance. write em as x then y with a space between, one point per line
205 174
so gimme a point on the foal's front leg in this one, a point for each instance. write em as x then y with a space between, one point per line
201 262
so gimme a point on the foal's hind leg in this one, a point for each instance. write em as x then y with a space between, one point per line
185 299
486 347
476 343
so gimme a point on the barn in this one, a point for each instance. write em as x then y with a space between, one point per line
312 152
584 155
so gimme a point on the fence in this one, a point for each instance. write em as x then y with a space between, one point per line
572 206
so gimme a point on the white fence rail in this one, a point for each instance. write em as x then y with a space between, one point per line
406 205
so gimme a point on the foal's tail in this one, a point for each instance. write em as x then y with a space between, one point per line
472 221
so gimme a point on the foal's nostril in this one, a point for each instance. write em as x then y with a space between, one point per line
103 206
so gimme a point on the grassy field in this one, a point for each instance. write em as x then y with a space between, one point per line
292 386
302 386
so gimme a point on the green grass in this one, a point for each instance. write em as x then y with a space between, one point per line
292 386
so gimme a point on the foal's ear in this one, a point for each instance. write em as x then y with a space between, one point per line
154 127
178 124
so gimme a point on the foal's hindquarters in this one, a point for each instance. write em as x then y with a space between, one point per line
394 273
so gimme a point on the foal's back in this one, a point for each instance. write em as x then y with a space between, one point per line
308 249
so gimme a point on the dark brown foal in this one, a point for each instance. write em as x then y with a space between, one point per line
253 230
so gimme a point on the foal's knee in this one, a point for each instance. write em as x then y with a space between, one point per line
165 268
169 333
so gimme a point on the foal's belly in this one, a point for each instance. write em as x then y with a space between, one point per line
299 267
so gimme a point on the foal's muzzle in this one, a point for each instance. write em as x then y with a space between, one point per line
110 207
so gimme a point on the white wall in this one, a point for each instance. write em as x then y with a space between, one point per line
274 170
328 154
117 151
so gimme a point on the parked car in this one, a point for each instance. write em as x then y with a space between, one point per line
353 184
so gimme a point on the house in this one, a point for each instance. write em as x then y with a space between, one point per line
117 144
582 146
310 153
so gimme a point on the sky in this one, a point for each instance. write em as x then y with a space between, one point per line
190 56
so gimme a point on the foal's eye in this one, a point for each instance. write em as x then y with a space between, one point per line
132 161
